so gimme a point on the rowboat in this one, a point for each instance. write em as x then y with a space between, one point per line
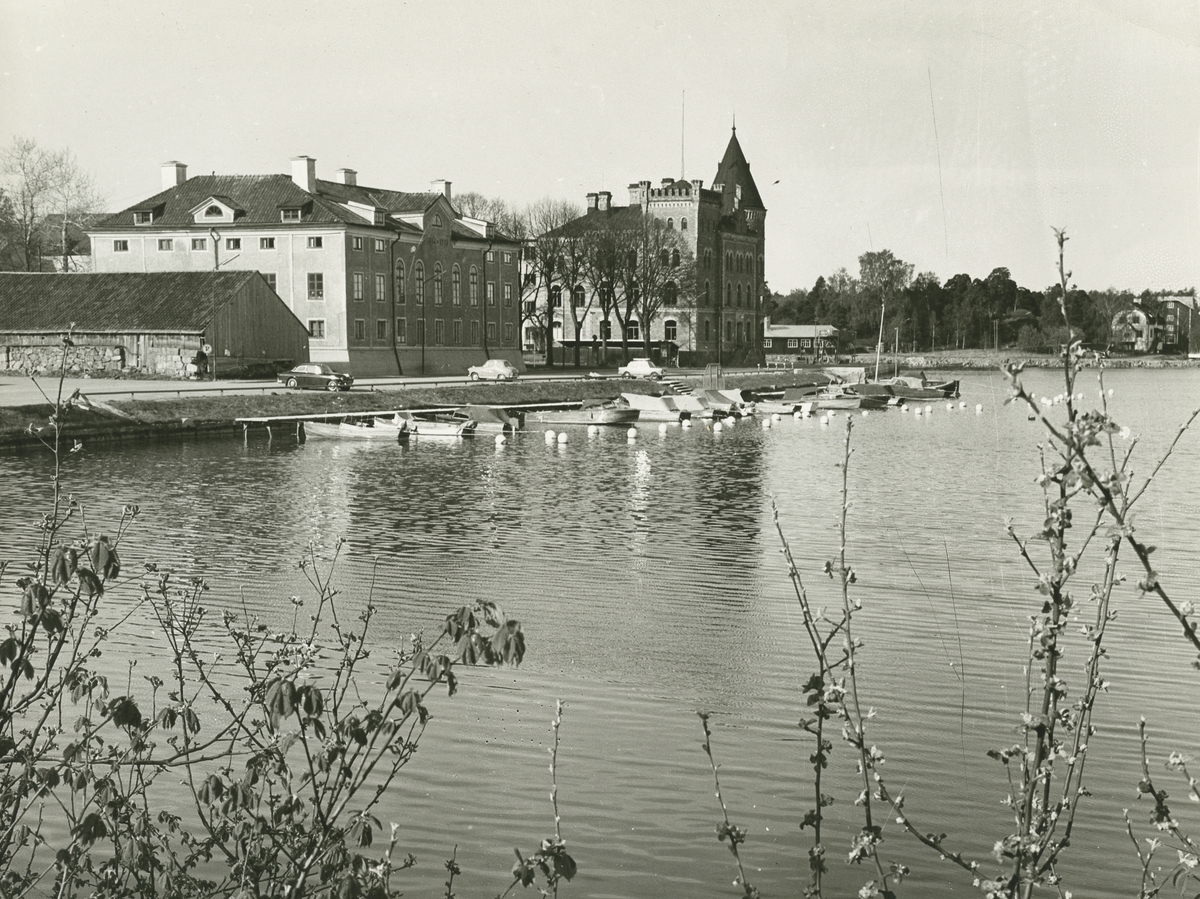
592 412
352 430
433 425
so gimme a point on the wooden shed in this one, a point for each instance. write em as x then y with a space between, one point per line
154 322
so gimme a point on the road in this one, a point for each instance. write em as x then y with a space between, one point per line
16 391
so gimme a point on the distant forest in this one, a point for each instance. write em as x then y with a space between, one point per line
921 313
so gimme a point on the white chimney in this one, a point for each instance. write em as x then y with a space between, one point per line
346 176
441 186
603 200
304 173
173 174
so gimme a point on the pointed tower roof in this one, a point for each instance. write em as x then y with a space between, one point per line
734 172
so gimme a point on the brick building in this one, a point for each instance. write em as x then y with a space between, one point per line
724 227
387 281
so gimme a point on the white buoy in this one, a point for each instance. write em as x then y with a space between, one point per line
904 408
949 407
766 424
978 408
962 404
662 428
916 412
686 423
501 440
776 417
929 410
631 433
562 438
550 435
866 412
593 430
824 419
717 427
797 415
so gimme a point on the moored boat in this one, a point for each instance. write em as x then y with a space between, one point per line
592 412
655 408
433 425
353 430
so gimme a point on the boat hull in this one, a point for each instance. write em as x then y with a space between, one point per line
346 431
606 416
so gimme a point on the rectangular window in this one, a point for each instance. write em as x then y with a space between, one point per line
360 329
439 332
507 294
289 215
633 331
380 246
233 243
671 331
380 288
143 218
381 329
474 333
358 286
120 246
166 244
491 256
793 343
266 243
315 243
508 333
421 331
456 331
491 331
199 243
491 293
270 276
316 286
401 330
316 328
508 258
766 343
356 243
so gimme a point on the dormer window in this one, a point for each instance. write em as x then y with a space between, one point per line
437 220
290 215
143 217
214 212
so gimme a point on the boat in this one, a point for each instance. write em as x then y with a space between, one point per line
655 408
430 424
727 402
838 396
353 430
910 387
592 412
694 406
490 419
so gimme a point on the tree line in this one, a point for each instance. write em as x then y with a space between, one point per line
921 313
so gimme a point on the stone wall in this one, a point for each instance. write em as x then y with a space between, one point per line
107 355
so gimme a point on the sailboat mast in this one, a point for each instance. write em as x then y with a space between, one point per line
879 344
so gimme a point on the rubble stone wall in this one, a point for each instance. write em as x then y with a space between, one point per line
105 355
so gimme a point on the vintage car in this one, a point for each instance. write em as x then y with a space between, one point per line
641 368
494 370
315 376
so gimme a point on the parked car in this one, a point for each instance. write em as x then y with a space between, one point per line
641 368
315 376
494 370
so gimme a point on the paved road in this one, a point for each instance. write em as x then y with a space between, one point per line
24 391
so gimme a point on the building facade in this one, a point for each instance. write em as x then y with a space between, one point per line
789 345
724 228
388 282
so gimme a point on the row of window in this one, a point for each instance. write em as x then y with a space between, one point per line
739 334
316 330
796 342
200 244
633 330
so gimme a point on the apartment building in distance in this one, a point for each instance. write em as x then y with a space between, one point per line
388 282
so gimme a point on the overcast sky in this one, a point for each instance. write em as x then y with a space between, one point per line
952 133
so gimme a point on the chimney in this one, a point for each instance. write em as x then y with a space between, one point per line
346 176
604 200
173 174
591 202
441 186
667 182
304 173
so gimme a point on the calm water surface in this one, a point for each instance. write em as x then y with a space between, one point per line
649 579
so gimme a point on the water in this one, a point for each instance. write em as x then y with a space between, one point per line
650 583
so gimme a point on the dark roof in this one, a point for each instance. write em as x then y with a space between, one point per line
129 301
733 172
594 219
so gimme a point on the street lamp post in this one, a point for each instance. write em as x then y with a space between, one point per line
211 356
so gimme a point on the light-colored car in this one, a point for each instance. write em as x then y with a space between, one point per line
494 370
641 368
315 376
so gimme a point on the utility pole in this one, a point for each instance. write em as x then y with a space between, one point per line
212 337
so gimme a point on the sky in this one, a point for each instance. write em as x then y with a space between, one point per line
954 133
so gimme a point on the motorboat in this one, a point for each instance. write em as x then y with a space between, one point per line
591 412
909 387
430 424
488 419
694 406
727 402
655 408
353 430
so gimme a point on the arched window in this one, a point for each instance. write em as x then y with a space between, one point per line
707 293
213 211
760 266
578 294
419 282
670 294
739 295
683 224
456 287
665 256
473 285
556 297
437 284
631 259
707 330
400 283
437 220
670 224
633 330
674 259
671 330
728 294
606 330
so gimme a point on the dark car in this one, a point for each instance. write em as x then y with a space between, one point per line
315 376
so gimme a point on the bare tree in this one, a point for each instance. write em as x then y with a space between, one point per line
576 249
601 271
50 194
656 269
544 260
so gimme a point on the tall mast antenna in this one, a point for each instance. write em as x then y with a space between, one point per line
682 135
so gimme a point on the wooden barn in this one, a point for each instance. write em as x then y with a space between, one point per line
151 322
